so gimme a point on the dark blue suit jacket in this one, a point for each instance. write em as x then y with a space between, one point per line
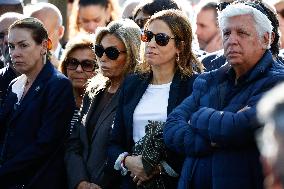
132 91
32 154
7 74
219 140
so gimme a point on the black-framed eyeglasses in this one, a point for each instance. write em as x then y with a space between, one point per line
161 39
111 52
86 65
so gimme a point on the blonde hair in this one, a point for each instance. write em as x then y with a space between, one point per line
129 33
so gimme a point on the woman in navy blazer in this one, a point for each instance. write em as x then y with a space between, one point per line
163 80
35 114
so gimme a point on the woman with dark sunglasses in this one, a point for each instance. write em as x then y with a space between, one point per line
78 63
117 50
162 80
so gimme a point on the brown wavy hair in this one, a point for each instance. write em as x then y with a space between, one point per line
180 26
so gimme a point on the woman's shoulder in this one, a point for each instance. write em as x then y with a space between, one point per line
135 79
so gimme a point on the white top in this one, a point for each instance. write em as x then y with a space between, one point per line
152 106
57 51
19 86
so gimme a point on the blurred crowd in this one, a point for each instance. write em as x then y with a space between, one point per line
152 94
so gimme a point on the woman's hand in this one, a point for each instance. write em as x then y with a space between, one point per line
135 166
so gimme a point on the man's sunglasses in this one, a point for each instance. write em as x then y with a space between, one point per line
111 52
161 39
281 13
86 65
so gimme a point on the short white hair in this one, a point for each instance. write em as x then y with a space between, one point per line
262 23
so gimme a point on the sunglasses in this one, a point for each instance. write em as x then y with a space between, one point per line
86 65
161 39
111 52
281 13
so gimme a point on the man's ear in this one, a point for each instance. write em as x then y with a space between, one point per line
266 40
61 30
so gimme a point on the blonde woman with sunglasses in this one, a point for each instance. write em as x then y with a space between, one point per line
117 49
162 80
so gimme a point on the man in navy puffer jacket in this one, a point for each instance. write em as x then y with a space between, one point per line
215 126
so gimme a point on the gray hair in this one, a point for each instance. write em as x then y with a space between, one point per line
262 23
129 33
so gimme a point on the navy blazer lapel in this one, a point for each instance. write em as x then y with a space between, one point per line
136 95
34 90
106 112
174 92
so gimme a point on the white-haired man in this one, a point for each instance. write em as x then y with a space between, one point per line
215 126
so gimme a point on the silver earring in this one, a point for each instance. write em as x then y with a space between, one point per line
177 58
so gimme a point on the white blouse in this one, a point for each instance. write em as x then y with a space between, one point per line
152 106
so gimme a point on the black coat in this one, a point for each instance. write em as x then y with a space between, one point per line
33 147
85 160
132 90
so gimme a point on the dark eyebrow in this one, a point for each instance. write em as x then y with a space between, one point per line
19 42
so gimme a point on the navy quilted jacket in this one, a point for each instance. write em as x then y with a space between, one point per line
215 127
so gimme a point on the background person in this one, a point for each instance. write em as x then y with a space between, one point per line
79 64
145 9
11 6
52 19
36 112
8 73
207 31
162 80
87 15
117 49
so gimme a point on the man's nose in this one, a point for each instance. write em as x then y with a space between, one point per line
232 39
197 31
